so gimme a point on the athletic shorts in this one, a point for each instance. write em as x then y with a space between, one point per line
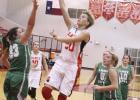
16 86
34 78
62 77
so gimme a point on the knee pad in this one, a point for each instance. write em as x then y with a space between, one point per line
46 92
62 97
29 91
33 92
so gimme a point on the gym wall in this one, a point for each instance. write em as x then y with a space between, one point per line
104 33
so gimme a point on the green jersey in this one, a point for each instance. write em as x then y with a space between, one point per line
111 95
101 72
19 57
125 74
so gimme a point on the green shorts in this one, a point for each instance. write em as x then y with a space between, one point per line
98 95
124 91
16 85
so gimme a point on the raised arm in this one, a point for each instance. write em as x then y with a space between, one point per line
66 16
31 23
84 36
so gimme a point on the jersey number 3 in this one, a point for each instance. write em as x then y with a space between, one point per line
13 50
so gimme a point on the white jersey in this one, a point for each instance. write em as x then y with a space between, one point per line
37 60
71 51
63 74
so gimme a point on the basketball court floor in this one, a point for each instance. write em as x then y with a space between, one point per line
78 94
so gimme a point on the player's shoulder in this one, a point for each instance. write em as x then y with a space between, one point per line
112 69
85 33
97 65
32 52
41 53
119 67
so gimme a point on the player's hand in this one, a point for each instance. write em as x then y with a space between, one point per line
35 4
97 87
86 88
130 86
53 34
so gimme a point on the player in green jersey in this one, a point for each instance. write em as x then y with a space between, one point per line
99 74
16 56
110 87
126 75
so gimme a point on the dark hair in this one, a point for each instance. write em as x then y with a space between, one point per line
90 19
128 57
35 42
9 37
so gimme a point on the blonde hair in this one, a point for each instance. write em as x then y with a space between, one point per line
115 59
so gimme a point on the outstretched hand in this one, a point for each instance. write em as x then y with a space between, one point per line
97 87
86 88
35 4
53 34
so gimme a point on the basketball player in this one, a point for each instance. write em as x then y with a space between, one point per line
111 89
38 62
63 74
99 73
126 75
17 57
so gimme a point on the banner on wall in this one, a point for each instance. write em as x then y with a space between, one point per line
95 6
123 11
109 9
52 7
135 13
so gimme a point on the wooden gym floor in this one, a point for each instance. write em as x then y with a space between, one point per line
134 93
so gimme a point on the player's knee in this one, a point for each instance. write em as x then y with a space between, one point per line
46 92
62 97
